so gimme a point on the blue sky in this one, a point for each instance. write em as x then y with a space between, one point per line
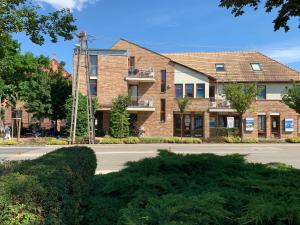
172 26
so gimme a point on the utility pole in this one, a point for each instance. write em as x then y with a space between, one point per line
82 49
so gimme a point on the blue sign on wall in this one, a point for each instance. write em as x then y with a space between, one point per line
289 124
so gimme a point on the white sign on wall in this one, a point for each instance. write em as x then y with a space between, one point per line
230 122
249 124
289 124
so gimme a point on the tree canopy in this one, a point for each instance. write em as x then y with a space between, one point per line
25 16
291 97
287 9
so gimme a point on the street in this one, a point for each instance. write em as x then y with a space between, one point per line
112 158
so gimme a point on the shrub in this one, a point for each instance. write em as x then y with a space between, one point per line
172 140
250 140
131 140
9 142
195 189
48 190
82 123
112 141
56 141
119 117
149 140
293 140
232 139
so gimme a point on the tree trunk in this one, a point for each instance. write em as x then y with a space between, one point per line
181 126
241 126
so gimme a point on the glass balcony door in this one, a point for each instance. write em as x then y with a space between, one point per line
133 92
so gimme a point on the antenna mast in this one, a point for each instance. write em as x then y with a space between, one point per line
82 49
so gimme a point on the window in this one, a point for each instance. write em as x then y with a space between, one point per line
262 93
220 67
163 87
93 87
255 66
179 90
262 124
131 62
212 122
189 90
163 110
93 65
200 90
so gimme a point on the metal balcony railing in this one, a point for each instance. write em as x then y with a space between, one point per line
141 102
219 103
136 73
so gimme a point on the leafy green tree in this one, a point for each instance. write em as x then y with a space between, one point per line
37 93
182 104
291 97
119 117
241 97
82 123
25 16
61 88
287 9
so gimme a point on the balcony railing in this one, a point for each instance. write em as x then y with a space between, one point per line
141 102
220 103
136 73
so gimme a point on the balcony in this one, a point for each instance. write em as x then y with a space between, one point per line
140 76
220 105
141 104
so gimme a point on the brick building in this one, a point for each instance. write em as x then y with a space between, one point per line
155 81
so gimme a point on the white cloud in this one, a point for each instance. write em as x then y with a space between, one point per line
71 4
286 55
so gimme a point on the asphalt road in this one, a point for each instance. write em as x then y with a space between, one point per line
112 158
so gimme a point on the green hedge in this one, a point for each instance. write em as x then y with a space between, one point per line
232 139
250 140
293 140
49 190
204 189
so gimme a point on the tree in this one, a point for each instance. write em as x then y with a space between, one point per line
24 16
119 117
287 9
241 97
182 104
61 89
291 97
82 123
37 92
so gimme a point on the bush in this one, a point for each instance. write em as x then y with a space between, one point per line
196 190
150 140
172 140
249 140
131 140
56 141
119 117
293 140
111 141
9 142
48 190
232 139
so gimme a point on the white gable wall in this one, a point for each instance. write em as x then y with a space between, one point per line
185 75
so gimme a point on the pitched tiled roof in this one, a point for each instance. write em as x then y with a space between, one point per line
237 66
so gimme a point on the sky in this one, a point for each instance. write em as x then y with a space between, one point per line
171 26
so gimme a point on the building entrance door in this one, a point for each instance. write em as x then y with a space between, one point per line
198 126
275 126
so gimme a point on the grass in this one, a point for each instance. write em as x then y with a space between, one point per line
203 189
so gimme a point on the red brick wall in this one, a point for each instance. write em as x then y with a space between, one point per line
144 60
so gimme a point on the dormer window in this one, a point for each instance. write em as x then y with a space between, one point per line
220 67
255 66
